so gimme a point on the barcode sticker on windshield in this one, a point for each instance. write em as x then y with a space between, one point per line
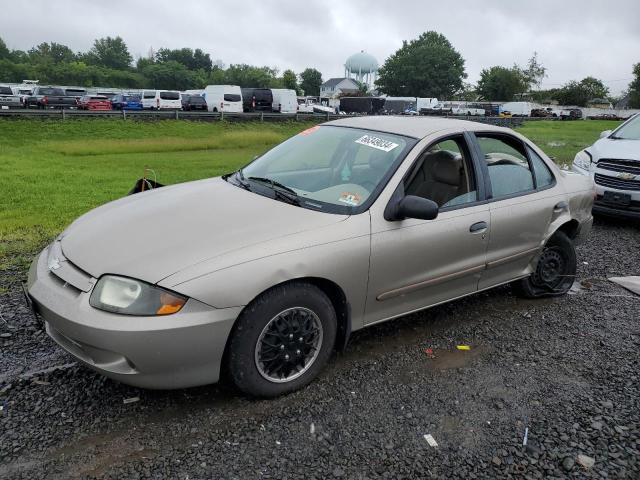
375 142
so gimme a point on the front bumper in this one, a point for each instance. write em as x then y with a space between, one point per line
174 351
609 208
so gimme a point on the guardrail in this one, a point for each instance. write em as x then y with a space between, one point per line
64 114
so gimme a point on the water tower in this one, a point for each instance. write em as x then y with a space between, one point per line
363 67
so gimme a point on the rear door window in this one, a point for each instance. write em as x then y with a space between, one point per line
149 94
507 164
232 97
170 95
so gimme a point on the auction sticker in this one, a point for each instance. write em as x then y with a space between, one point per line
352 199
375 142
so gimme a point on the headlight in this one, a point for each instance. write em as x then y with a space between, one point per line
583 160
133 297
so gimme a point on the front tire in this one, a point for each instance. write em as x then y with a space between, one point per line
555 271
282 340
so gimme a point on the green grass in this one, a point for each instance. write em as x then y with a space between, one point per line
54 171
562 140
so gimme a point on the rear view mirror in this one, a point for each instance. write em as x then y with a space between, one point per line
412 206
606 133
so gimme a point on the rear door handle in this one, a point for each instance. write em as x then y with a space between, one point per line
560 207
478 227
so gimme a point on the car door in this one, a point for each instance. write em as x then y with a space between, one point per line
525 200
418 263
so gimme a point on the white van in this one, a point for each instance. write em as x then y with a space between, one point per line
520 109
225 98
284 100
161 100
427 105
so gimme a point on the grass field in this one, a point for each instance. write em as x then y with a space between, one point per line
53 171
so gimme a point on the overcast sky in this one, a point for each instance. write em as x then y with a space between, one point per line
573 38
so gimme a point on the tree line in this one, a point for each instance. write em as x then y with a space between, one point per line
110 64
428 66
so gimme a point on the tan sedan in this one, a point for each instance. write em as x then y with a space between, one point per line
265 271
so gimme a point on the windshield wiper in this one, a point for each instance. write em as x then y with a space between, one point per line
239 179
274 184
282 192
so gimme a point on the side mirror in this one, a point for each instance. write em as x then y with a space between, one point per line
412 206
606 133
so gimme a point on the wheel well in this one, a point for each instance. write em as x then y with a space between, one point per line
570 228
338 300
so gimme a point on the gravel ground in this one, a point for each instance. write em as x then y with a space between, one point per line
563 371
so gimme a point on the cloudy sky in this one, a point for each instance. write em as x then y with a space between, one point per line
573 38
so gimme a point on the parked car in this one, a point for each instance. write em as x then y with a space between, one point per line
547 112
8 99
193 102
77 93
161 100
427 105
50 97
227 98
257 100
305 104
284 100
571 114
613 164
22 93
94 102
468 109
126 102
264 271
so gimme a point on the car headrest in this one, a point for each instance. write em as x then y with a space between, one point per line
445 167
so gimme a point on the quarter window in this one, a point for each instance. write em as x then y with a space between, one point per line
544 177
507 164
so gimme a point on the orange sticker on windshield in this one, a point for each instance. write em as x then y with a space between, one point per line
352 199
309 131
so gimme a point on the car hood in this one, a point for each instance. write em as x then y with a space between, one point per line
610 148
154 234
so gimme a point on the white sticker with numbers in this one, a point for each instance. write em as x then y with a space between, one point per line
375 142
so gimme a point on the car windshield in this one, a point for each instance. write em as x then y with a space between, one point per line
629 131
6 91
330 168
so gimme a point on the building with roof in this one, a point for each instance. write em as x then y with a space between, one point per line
335 87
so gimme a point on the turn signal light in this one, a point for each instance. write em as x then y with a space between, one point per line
170 304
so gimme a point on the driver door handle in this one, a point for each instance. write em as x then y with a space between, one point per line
478 227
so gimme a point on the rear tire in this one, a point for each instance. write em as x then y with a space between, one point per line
282 340
555 271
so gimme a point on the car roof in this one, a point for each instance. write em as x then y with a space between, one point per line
416 127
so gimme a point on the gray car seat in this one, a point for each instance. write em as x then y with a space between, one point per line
440 178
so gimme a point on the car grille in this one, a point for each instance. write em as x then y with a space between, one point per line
626 166
617 183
